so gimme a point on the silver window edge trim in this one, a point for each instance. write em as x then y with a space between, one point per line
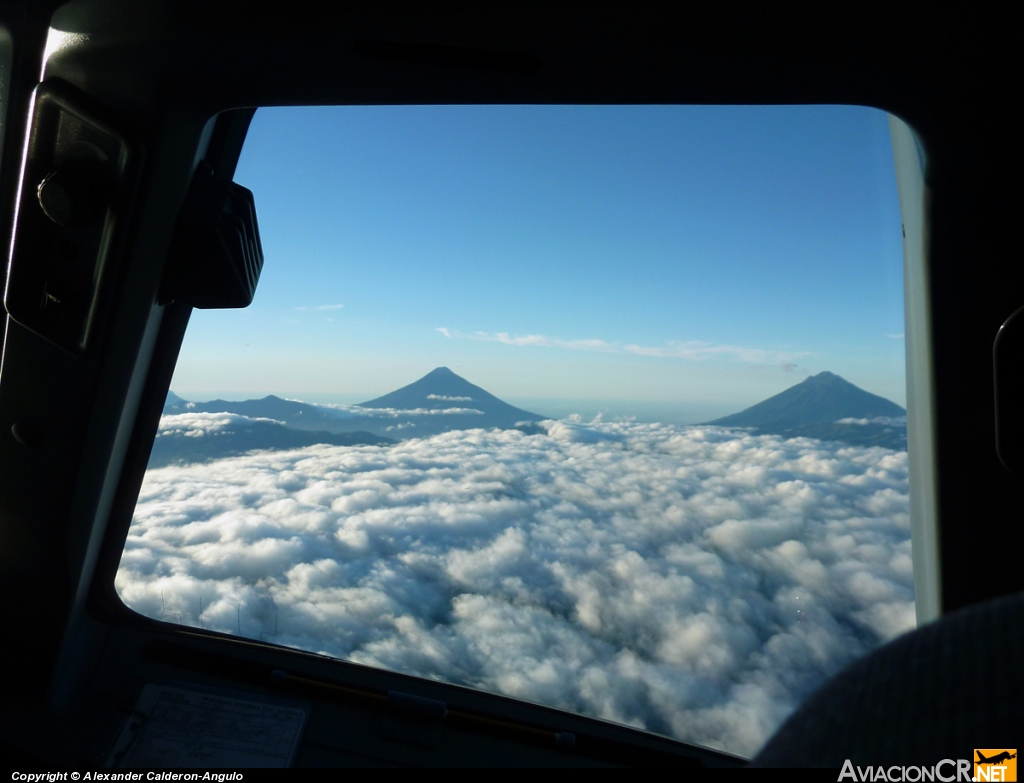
909 159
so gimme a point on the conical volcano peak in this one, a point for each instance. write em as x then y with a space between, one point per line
443 390
827 407
826 382
824 398
826 377
439 388
438 372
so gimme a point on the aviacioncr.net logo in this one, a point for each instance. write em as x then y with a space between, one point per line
946 771
995 764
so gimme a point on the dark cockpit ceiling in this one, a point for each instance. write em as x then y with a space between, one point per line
141 58
164 69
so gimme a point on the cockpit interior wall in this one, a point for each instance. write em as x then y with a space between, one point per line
180 80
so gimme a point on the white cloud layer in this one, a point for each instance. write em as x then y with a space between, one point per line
690 349
888 421
342 411
196 425
696 582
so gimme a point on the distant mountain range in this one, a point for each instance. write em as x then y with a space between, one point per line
826 407
823 406
438 402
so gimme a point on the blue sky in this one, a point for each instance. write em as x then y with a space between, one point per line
628 259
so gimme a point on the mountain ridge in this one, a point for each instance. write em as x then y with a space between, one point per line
440 401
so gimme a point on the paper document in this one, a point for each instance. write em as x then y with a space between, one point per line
182 727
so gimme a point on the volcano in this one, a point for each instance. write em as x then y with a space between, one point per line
442 390
827 407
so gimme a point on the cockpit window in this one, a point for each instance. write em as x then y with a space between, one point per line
599 407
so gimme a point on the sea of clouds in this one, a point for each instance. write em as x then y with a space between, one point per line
694 581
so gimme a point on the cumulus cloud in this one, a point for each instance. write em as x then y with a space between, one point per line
346 411
888 421
690 349
693 581
196 425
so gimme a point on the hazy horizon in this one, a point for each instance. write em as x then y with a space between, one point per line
657 411
651 411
